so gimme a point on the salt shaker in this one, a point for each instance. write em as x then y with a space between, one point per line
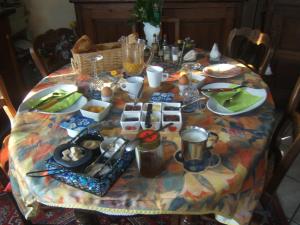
215 54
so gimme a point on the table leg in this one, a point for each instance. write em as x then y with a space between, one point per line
85 218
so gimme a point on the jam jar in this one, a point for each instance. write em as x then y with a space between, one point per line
149 154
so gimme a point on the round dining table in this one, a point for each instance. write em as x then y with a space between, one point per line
230 190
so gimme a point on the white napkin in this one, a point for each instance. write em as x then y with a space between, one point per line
190 56
215 53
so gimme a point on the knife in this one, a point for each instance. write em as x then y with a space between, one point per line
215 90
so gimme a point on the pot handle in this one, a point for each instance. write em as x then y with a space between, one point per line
215 141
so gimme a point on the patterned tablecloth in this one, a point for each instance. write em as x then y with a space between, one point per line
231 189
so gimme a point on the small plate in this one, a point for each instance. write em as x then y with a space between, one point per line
215 107
222 70
66 87
74 165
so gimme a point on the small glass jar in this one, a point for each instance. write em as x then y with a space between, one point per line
149 154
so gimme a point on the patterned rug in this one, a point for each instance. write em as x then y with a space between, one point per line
9 215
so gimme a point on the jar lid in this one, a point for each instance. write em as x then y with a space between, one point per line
151 142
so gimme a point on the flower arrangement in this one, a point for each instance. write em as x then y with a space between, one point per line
148 11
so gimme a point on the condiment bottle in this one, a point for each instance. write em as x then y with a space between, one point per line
149 154
155 46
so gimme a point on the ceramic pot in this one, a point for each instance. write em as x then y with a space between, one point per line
149 31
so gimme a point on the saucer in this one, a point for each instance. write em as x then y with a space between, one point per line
209 160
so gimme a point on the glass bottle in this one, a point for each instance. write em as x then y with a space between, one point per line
155 46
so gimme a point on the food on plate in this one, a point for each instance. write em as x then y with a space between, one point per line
106 91
90 144
94 108
183 80
223 70
72 154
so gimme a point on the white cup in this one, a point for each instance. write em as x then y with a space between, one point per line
155 76
132 86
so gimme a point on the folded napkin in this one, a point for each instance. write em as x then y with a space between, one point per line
55 101
65 103
241 99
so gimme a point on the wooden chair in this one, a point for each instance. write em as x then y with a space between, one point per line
250 47
284 147
51 50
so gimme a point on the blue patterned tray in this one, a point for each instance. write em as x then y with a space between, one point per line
97 186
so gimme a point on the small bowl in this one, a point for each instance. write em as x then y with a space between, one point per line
97 116
171 106
106 144
131 107
156 107
177 124
73 165
155 125
128 125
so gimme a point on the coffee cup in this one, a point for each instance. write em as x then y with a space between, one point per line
195 150
132 86
155 76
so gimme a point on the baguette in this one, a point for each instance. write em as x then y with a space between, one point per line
83 44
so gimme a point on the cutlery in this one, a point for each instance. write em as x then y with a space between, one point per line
109 147
216 90
192 102
138 95
55 100
229 100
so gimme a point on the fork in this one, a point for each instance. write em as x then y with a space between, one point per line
229 100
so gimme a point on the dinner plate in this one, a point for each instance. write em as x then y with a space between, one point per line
215 107
66 87
222 70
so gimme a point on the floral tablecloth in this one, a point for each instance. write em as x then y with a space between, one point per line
231 189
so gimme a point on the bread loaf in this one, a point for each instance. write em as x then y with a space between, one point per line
83 44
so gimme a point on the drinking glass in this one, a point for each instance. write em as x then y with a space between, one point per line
96 82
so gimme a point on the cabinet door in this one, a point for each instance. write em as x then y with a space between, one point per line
104 22
205 23
283 26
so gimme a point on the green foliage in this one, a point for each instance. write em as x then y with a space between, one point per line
148 11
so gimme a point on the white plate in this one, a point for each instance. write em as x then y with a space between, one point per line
66 87
222 70
215 107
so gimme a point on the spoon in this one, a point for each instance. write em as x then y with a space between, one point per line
132 144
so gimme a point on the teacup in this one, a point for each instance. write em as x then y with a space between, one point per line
132 86
155 76
195 150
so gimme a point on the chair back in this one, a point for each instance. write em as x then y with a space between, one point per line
5 101
250 47
52 50
286 141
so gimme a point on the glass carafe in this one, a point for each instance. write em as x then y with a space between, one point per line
133 56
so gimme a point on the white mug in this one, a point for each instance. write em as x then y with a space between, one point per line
155 76
132 86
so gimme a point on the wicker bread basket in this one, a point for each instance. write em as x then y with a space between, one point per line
112 58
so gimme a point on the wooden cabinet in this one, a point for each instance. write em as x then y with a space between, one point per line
204 21
283 23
